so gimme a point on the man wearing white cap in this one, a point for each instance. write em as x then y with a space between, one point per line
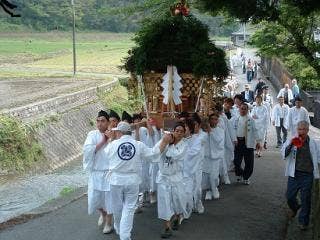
125 156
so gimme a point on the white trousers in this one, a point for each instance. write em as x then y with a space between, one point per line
188 186
210 179
229 156
171 200
223 168
144 186
124 199
99 199
153 171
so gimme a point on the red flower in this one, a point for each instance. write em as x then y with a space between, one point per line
297 142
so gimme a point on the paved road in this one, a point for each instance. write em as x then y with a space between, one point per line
243 212
257 211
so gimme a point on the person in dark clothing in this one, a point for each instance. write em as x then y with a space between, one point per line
259 87
247 94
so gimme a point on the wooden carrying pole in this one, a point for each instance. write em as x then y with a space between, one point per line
140 81
199 95
171 106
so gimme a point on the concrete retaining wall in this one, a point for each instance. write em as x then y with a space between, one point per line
275 72
59 104
62 141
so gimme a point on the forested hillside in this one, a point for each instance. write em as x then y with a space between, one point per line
95 15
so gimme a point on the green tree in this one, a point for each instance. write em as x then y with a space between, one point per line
290 29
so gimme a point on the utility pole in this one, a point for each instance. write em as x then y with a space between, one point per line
74 39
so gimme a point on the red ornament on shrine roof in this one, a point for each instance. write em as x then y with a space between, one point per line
180 8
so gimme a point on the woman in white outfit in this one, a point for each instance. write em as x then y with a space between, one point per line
260 115
171 192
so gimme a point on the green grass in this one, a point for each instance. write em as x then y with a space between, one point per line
45 52
66 191
19 149
119 101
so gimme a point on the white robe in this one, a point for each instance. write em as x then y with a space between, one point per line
124 175
97 163
276 114
296 115
234 111
268 102
171 192
214 155
281 94
230 137
154 167
145 165
262 120
192 171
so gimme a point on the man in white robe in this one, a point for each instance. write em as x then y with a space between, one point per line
214 157
140 133
268 102
97 163
279 119
192 167
287 95
296 114
125 155
260 116
154 136
230 140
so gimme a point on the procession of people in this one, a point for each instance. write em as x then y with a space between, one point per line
133 161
